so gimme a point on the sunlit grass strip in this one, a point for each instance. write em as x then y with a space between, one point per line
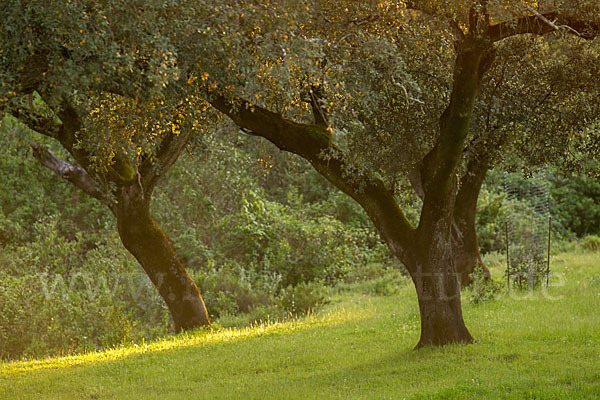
188 339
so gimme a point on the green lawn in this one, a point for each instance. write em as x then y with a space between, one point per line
541 347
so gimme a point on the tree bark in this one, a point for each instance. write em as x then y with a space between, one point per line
433 271
464 232
438 291
465 243
154 251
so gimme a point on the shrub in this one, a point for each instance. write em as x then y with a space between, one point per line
591 243
365 272
35 322
374 279
576 206
482 289
277 239
302 298
231 289
96 299
490 218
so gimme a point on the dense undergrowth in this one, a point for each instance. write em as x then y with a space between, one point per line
68 285
262 235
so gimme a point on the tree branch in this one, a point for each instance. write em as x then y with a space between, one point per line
439 165
63 130
540 24
168 152
314 143
307 140
72 173
36 122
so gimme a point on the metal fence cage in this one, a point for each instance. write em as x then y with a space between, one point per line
528 230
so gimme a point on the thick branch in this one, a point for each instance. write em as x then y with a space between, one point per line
306 140
540 24
72 173
314 143
439 166
64 130
168 152
36 122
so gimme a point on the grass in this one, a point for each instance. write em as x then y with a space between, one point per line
542 345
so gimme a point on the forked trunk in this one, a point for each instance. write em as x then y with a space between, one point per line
152 248
427 250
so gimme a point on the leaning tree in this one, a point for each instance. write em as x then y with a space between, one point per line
342 62
100 78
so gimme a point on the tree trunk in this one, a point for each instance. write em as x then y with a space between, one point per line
465 244
153 249
438 288
464 233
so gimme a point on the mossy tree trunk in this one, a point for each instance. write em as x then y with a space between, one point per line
435 274
465 242
149 244
438 289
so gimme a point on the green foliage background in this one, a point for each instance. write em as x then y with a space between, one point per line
261 234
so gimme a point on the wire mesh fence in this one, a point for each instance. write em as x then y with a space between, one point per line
528 230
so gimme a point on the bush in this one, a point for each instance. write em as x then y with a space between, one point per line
35 322
366 272
591 243
575 204
93 300
490 220
302 298
278 239
482 289
231 289
375 279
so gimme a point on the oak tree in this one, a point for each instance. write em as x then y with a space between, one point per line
360 63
